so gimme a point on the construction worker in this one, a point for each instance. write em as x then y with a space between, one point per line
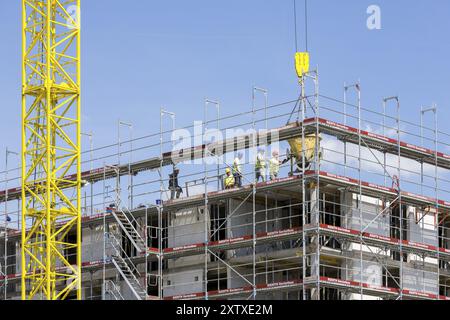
229 179
237 170
274 165
260 166
173 184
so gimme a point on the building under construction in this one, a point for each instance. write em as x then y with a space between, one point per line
360 207
361 214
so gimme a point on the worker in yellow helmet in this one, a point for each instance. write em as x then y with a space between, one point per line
229 179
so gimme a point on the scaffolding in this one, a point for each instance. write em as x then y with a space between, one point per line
367 217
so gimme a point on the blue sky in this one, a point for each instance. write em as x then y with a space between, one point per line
140 55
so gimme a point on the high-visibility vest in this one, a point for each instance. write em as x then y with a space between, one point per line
237 166
274 165
229 181
260 162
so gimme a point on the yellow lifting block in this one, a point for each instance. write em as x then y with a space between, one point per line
301 63
310 147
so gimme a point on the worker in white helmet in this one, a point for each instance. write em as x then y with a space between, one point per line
237 170
274 165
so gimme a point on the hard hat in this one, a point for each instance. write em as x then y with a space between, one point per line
227 170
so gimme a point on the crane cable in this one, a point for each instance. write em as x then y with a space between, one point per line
306 25
296 45
295 25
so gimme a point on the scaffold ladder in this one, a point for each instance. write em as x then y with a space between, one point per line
113 290
126 268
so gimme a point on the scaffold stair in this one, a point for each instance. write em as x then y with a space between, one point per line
129 229
126 269
113 290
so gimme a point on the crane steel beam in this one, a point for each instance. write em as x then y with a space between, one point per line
51 150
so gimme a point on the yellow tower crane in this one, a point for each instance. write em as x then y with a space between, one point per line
51 218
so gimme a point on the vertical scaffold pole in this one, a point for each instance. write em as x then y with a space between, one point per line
7 219
436 177
423 111
130 159
317 173
160 204
254 138
397 181
303 182
254 147
384 134
345 123
205 209
265 92
346 89
421 144
5 261
399 170
91 161
104 236
254 196
358 88
207 215
217 104
314 211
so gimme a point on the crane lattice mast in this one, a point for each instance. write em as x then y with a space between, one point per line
51 216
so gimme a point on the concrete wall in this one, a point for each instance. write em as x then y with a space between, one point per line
189 281
92 243
372 272
422 227
446 235
419 280
241 224
370 208
236 281
187 226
